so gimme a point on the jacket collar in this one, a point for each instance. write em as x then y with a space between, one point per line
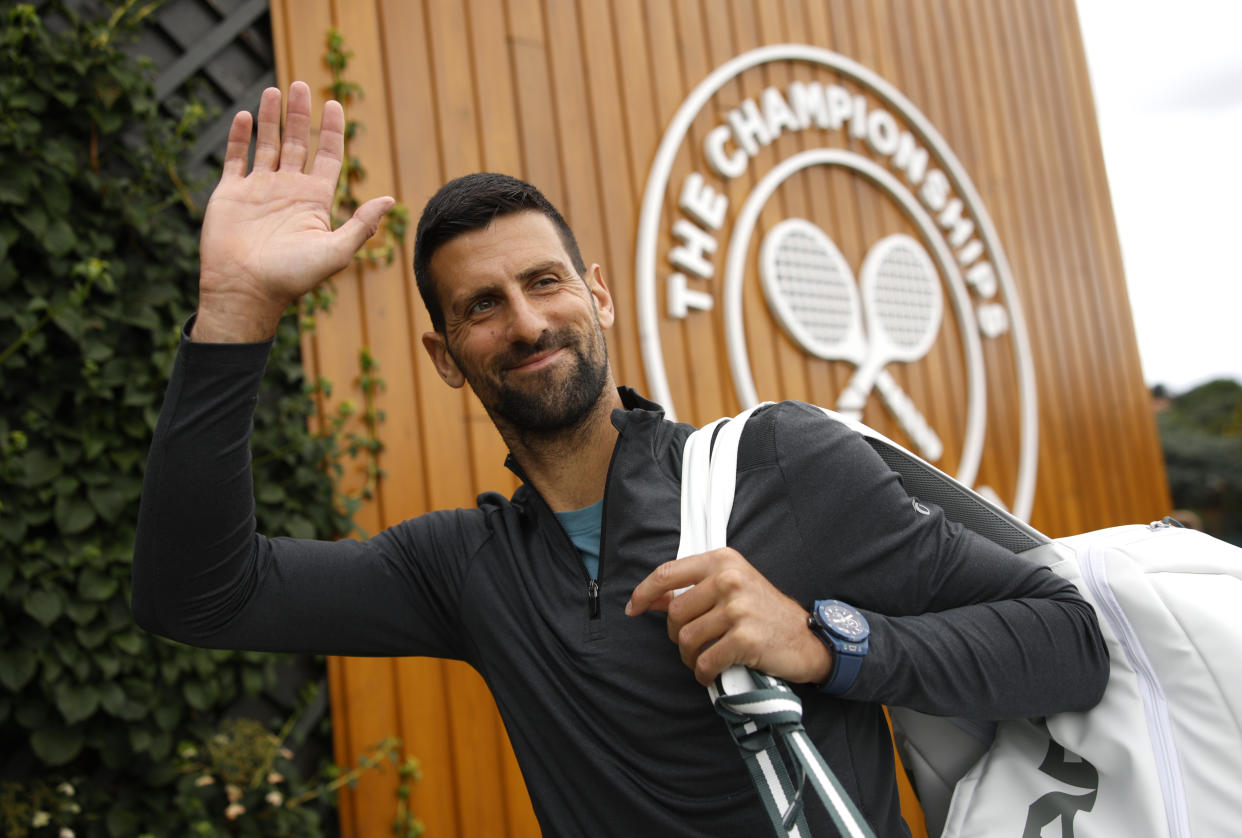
632 404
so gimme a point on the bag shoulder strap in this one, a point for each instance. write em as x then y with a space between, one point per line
763 713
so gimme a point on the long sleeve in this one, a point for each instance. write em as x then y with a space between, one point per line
203 575
959 625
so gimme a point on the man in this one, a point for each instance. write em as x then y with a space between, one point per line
555 595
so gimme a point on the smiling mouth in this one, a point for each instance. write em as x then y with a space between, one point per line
536 362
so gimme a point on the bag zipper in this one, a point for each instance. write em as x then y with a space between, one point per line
1155 705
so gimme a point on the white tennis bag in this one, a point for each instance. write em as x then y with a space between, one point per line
1159 755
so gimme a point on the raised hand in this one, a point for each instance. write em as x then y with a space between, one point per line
267 236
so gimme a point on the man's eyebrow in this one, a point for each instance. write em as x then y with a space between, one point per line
550 266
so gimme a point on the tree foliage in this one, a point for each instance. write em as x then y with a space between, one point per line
98 269
1201 432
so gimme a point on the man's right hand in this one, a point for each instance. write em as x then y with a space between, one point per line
267 236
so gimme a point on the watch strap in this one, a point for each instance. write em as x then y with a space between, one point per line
845 668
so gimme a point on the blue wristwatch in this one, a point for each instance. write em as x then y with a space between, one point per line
844 631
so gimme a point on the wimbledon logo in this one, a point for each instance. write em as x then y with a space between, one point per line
944 268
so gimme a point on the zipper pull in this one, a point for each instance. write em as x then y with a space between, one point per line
593 599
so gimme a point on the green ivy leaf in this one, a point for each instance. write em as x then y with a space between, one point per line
56 198
44 605
270 493
71 321
55 744
111 697
14 187
77 702
161 746
109 500
69 653
196 694
38 466
80 612
92 635
57 151
96 586
52 669
73 514
17 667
140 738
109 665
130 642
252 681
132 711
93 445
65 484
299 527
34 219
167 716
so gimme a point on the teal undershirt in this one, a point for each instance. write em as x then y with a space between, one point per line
583 527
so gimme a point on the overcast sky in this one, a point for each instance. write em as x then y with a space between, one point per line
1167 76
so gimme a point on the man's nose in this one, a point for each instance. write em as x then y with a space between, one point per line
527 322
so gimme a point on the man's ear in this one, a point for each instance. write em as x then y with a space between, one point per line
603 297
437 348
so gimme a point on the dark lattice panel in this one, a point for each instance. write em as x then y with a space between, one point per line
216 52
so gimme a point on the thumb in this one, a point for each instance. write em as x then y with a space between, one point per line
363 223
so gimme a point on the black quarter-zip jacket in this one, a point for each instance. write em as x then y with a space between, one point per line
613 734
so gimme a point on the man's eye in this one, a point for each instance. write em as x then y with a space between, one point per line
481 307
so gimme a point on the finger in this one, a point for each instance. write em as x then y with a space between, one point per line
696 635
237 150
715 659
297 129
267 143
661 603
664 580
689 607
331 151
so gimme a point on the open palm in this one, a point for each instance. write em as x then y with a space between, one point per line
267 235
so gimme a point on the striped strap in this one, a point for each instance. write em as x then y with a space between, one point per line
764 716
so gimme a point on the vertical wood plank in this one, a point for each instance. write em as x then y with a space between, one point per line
615 169
439 413
478 782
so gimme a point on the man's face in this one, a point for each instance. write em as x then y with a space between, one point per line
520 326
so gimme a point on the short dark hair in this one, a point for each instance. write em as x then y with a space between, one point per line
472 202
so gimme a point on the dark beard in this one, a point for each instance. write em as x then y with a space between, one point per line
552 406
559 405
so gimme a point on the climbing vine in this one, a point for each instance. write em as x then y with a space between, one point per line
98 269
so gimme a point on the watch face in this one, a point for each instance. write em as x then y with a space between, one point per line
844 620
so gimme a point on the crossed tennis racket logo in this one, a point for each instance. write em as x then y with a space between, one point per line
813 294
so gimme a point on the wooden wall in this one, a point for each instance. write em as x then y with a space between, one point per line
575 96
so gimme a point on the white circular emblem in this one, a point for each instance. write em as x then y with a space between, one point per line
942 277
